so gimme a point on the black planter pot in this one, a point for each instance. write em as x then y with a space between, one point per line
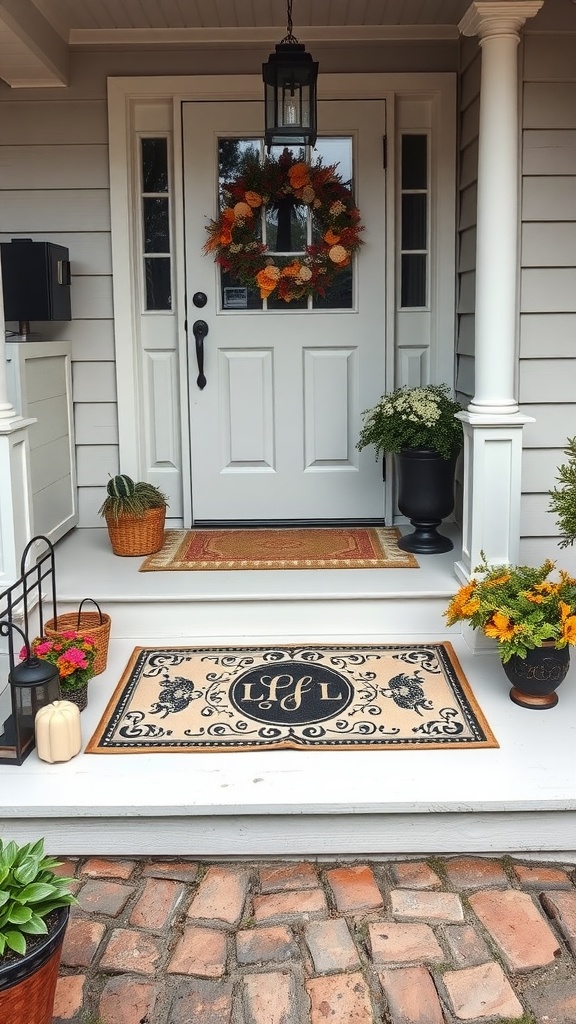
426 497
536 677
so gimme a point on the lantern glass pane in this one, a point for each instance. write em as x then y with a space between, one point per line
7 729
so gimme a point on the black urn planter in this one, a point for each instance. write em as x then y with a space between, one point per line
426 497
536 677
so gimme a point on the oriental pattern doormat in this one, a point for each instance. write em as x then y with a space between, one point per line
295 548
304 697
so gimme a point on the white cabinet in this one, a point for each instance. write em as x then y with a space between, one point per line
40 386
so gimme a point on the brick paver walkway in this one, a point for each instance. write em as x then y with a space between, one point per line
437 941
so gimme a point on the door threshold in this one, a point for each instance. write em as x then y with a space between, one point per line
271 524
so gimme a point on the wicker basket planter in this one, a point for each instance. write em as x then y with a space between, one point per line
28 983
93 624
137 535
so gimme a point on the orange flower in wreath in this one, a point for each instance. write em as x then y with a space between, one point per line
339 255
267 279
253 199
299 175
331 238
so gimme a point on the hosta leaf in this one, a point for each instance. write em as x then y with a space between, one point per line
50 862
4 897
62 901
38 849
15 941
35 926
10 853
19 915
2 944
27 871
36 892
4 871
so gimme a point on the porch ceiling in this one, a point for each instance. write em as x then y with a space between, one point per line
37 35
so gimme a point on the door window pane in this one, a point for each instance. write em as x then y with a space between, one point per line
414 161
154 165
414 220
155 223
286 229
158 287
413 280
414 211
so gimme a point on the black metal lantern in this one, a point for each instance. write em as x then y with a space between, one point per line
31 685
290 77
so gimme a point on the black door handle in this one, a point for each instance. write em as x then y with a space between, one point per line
200 330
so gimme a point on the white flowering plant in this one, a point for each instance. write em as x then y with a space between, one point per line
421 417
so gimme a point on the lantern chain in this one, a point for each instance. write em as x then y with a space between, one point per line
290 37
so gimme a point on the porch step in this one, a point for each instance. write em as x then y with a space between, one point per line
520 797
517 798
301 603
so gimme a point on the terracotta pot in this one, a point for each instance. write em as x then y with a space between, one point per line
426 497
536 677
28 984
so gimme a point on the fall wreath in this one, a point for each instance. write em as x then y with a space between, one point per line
281 184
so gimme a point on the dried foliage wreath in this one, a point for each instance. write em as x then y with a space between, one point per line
280 184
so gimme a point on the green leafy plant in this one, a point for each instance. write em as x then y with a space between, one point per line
126 498
29 891
420 417
563 498
519 606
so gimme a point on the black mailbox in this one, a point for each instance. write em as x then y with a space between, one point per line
36 280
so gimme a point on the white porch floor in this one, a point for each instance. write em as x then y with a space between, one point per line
520 797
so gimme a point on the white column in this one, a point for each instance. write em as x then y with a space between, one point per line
15 501
492 423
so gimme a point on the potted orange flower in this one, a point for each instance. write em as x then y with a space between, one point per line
73 654
531 613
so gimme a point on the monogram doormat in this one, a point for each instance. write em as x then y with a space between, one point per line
295 548
304 697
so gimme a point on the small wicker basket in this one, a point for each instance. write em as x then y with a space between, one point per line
137 535
93 624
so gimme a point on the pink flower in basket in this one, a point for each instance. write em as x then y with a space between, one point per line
72 653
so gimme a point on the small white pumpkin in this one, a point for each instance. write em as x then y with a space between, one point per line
58 731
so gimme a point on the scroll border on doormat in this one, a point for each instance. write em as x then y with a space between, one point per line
169 558
482 737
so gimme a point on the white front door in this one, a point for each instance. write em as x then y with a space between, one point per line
273 432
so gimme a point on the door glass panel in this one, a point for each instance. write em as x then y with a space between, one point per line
156 225
158 287
286 229
414 218
155 165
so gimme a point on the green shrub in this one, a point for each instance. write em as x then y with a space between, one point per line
563 498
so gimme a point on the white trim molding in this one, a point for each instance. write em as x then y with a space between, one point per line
152 102
485 18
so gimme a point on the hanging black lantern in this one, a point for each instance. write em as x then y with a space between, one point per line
31 685
290 77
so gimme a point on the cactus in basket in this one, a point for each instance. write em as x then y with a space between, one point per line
134 514
126 498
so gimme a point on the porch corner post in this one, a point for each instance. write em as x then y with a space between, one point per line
492 423
15 489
